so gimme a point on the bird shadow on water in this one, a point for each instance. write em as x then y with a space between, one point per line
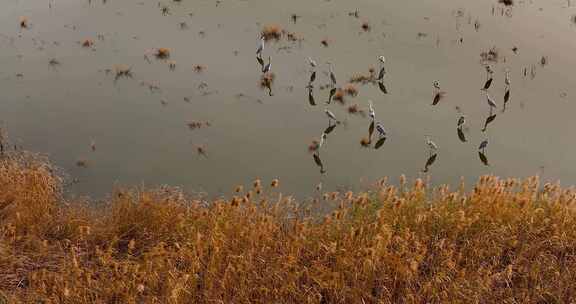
461 135
316 155
319 163
371 129
429 162
487 84
261 62
483 158
506 99
381 74
482 152
311 100
332 92
379 143
489 119
437 97
329 129
382 87
312 78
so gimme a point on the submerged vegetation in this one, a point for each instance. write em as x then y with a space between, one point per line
505 241
275 33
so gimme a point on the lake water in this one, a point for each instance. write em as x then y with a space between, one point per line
141 135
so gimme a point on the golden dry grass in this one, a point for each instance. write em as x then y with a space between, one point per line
506 241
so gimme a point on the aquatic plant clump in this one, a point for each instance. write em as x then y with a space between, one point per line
492 55
350 90
267 79
505 241
275 33
272 32
162 53
506 2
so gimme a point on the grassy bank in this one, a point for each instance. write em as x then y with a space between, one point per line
507 241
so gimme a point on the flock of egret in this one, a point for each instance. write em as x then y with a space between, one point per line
462 119
491 104
378 126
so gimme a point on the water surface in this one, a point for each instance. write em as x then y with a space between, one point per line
142 137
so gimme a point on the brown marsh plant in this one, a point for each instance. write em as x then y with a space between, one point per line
504 241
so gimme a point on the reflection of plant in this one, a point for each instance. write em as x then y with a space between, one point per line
198 68
24 23
491 55
506 2
122 70
266 80
366 26
355 109
87 43
82 163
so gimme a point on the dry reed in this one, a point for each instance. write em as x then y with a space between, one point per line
506 241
